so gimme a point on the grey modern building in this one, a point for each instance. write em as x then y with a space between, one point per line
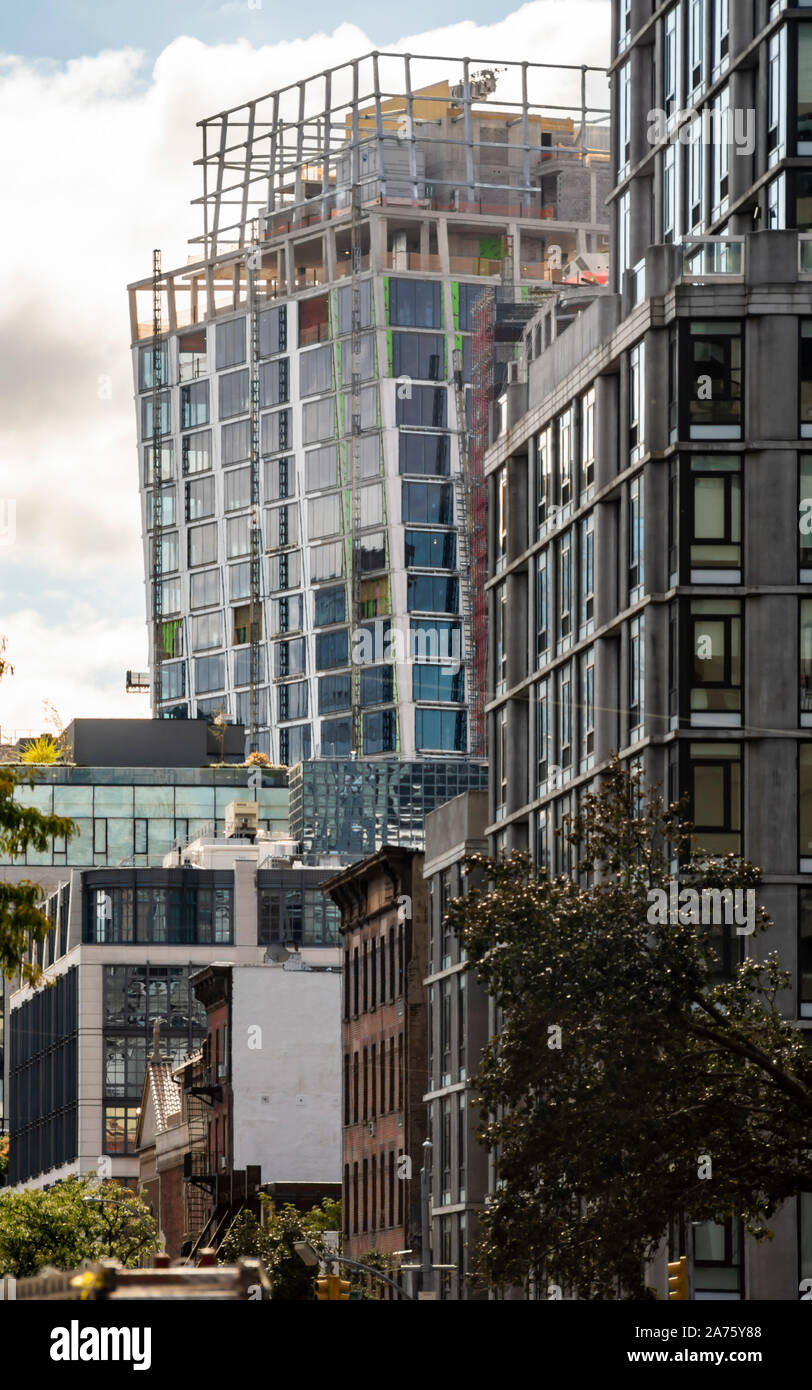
123 946
457 1017
649 566
301 387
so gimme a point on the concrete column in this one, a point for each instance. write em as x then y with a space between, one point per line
607 682
606 430
606 562
246 931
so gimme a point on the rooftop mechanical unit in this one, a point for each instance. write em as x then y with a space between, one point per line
242 820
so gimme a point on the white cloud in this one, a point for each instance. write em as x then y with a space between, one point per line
96 169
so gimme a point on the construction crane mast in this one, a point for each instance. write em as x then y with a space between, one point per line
253 263
355 456
158 358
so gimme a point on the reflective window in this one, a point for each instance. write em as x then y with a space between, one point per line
422 405
437 729
274 387
194 404
233 393
334 693
202 544
230 343
431 550
200 498
196 452
415 303
423 453
235 441
419 356
427 502
209 673
237 489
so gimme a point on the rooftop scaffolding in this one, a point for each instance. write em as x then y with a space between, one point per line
290 158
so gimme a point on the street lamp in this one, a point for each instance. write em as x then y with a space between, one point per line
310 1256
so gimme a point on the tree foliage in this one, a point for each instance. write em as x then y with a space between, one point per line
629 1083
22 828
273 1243
57 1226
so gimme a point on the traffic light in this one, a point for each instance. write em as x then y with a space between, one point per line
331 1288
678 1279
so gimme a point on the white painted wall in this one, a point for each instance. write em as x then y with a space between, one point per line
286 1078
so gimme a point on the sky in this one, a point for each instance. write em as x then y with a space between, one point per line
98 105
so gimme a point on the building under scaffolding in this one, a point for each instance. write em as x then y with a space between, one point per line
311 390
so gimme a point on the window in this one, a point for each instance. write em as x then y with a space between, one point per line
587 439
715 512
565 591
636 538
435 641
207 631
419 356
428 593
695 157
587 594
542 733
321 469
415 303
672 49
696 44
587 703
422 405
716 380
330 606
423 453
440 730
566 442
715 781
194 404
637 677
166 463
624 234
542 609
721 36
202 544
209 674
439 683
431 550
637 401
379 732
806 663
169 552
230 343
290 657
543 476
777 204
327 561
316 371
500 654
170 596
716 647
671 219
345 306
777 97
146 358
274 382
237 489
233 393
427 502
235 442
294 744
173 680
164 415
467 296
168 517
720 153
238 536
273 331
805 523
319 420
239 585
805 358
324 516
196 452
805 988
336 738
624 135
242 666
332 649
275 433
292 700
376 685
334 693
200 498
804 125
366 360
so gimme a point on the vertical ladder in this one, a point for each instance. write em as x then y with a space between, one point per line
252 263
355 457
157 495
464 517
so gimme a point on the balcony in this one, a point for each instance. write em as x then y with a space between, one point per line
713 258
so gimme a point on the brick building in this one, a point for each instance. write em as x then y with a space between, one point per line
382 901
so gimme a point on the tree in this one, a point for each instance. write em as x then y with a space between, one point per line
273 1243
21 828
631 1082
57 1226
4 1146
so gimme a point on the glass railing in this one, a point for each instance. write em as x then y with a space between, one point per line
711 256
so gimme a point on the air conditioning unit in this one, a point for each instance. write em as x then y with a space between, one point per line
242 819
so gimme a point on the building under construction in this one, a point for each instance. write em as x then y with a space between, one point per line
311 389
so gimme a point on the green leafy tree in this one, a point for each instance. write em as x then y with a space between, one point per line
631 1081
57 1226
273 1243
22 828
